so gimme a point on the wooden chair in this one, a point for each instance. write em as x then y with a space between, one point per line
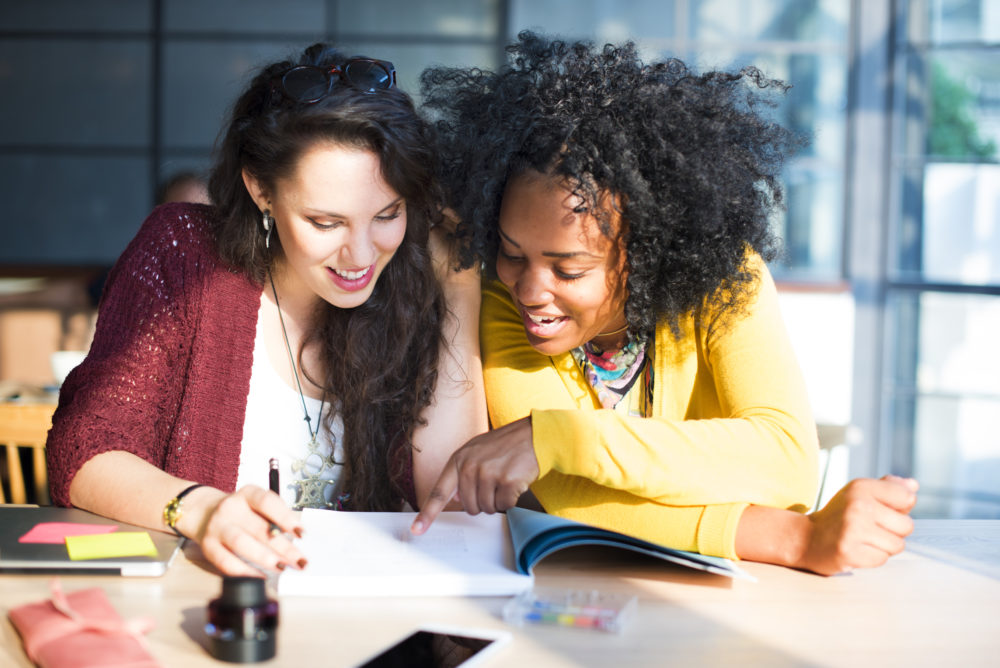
25 425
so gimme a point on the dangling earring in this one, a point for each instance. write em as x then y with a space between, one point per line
268 222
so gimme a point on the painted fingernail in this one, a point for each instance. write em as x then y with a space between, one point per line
299 531
303 563
281 566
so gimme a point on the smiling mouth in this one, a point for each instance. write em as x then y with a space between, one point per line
352 280
543 326
544 319
351 275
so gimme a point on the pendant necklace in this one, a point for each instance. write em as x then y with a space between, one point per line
313 434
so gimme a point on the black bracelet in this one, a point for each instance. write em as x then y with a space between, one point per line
172 511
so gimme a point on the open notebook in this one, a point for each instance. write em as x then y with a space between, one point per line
29 543
374 554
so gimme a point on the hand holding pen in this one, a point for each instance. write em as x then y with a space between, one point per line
275 486
274 530
235 530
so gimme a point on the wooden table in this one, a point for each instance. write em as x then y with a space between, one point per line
937 604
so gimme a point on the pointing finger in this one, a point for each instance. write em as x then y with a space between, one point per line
442 492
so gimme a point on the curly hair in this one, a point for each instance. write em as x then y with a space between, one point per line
378 374
693 162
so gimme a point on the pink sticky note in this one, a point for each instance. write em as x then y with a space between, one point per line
56 532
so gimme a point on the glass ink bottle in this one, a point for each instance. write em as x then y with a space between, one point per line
242 623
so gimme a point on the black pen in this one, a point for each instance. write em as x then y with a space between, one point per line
273 484
272 477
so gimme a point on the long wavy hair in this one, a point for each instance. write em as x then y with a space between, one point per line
691 159
380 358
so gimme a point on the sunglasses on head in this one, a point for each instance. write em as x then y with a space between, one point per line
309 84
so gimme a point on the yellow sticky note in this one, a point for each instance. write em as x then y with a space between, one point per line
109 545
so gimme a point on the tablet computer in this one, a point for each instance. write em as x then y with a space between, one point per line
31 556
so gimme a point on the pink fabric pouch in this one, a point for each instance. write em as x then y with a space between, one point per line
81 630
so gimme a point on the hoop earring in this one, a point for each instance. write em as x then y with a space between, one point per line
268 223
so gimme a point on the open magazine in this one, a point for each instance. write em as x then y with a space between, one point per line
536 535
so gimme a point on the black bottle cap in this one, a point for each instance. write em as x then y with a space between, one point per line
242 592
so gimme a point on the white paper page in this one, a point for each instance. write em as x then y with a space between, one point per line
374 554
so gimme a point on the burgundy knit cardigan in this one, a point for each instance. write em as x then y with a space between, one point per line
168 372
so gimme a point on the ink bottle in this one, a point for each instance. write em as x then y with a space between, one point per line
242 623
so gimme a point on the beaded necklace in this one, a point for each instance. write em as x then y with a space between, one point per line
312 487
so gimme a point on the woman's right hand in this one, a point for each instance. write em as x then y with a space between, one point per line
234 533
232 529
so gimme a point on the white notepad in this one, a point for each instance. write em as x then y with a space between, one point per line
374 554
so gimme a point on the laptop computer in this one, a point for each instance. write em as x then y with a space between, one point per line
53 558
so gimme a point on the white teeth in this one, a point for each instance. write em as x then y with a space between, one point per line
541 320
351 275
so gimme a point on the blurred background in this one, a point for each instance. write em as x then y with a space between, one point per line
891 279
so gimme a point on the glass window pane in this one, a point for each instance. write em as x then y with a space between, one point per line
246 16
444 18
88 210
961 230
186 161
957 344
724 20
907 242
196 99
957 460
601 20
944 399
812 225
964 106
962 20
76 16
75 92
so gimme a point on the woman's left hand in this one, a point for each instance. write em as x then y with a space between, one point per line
488 474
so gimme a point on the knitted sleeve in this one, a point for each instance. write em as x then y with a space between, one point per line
126 393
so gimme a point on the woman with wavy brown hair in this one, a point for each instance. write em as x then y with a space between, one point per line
309 321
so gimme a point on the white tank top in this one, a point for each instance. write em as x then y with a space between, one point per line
274 426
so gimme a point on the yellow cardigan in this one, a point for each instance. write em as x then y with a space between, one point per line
731 426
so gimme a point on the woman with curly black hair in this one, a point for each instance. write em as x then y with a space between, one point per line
636 364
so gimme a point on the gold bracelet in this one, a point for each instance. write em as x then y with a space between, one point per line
172 511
